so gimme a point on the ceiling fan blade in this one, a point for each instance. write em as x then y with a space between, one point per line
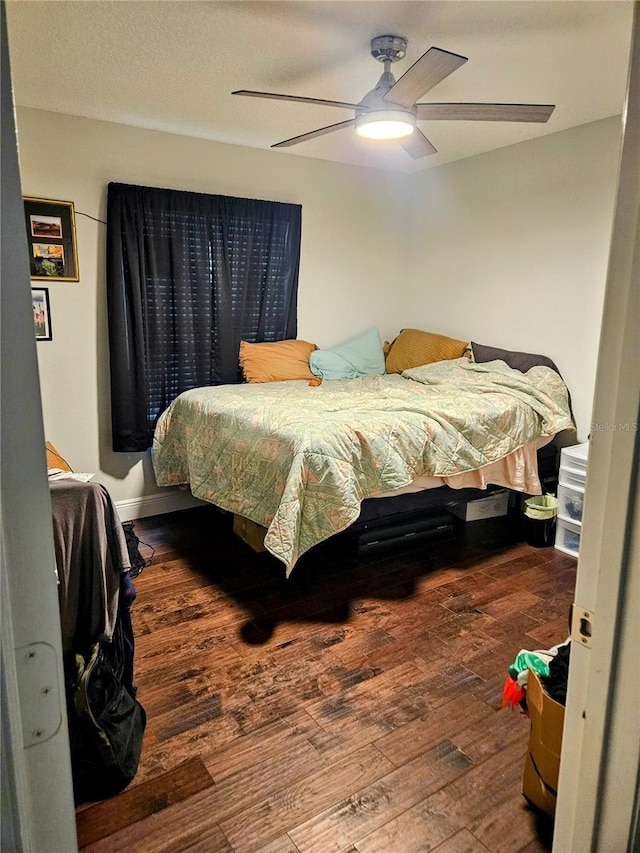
485 112
432 67
418 145
296 98
313 133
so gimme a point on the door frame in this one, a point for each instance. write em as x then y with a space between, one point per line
597 806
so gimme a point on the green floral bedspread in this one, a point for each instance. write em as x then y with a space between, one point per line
299 459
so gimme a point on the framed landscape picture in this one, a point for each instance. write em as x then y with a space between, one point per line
41 313
51 236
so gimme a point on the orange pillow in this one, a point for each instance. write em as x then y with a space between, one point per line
413 348
276 362
54 460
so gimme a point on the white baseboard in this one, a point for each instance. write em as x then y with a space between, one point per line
143 507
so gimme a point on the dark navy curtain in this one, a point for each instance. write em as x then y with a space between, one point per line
188 277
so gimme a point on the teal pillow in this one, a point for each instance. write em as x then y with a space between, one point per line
356 357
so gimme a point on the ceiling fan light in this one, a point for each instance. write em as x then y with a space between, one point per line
385 124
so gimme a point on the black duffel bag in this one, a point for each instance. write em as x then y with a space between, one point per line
106 725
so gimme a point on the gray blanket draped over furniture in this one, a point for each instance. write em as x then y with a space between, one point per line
91 554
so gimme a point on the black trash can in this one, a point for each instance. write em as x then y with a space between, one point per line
540 520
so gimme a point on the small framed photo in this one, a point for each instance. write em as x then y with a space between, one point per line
41 313
51 234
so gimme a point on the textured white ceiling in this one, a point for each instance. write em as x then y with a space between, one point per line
172 64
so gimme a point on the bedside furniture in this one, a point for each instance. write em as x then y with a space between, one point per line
571 485
91 557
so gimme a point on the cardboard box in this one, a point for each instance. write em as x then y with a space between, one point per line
250 532
542 765
494 505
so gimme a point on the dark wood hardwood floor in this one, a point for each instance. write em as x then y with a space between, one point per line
354 708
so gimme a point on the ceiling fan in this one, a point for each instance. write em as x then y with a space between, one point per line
390 110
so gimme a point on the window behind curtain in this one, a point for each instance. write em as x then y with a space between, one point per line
188 277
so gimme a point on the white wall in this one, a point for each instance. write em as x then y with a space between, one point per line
510 249
353 244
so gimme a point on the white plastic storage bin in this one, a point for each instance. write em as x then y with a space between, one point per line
571 477
575 458
568 536
570 503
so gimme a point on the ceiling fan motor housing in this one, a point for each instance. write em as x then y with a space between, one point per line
377 118
374 100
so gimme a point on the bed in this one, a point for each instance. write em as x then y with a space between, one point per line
299 460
